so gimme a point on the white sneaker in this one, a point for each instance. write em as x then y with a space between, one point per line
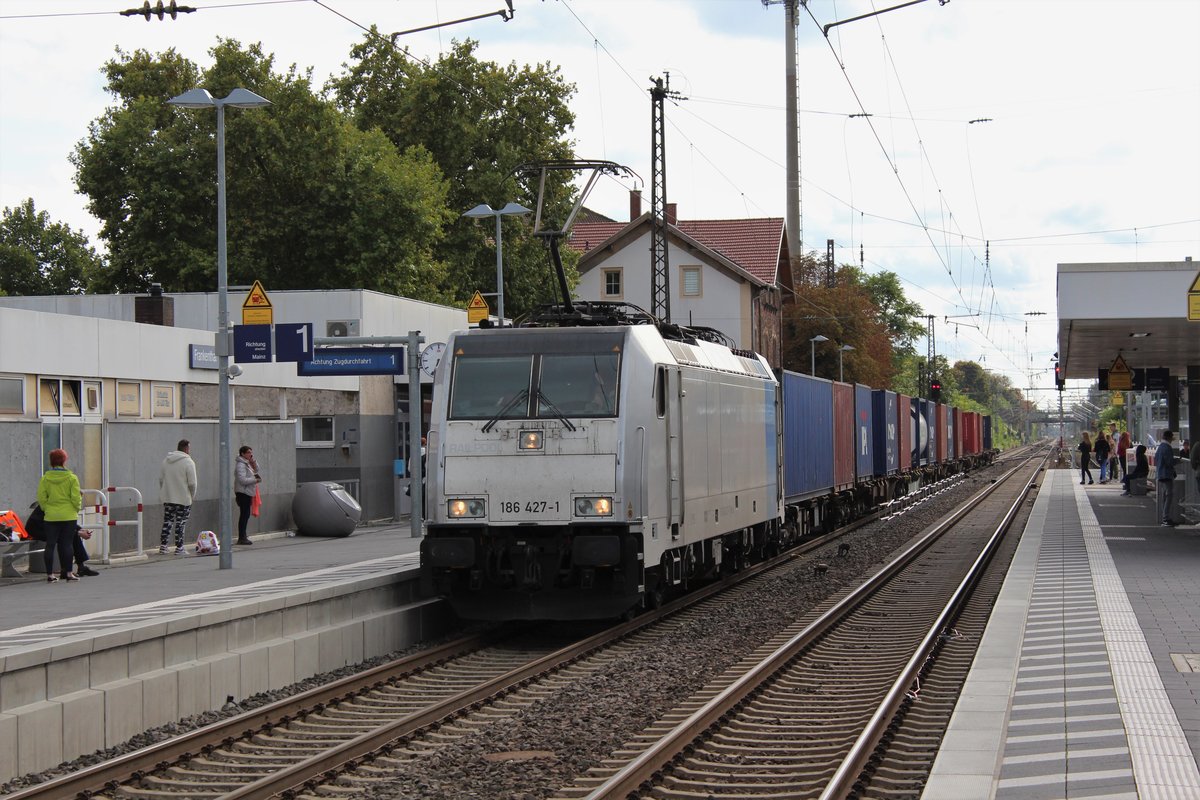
180 551
162 550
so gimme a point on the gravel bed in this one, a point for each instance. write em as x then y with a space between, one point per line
585 721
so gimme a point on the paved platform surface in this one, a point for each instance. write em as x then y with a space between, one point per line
33 611
1087 681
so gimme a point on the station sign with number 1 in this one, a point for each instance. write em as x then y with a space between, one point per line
294 341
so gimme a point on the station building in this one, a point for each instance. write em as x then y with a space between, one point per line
118 380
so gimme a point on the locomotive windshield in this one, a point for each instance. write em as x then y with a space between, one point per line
537 385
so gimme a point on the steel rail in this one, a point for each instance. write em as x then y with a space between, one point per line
849 771
630 779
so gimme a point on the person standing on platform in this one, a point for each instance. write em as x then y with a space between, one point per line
177 490
1123 445
1164 467
1085 459
60 499
1114 439
1103 447
1194 460
246 478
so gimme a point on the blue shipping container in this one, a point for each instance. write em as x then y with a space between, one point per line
864 433
807 436
887 438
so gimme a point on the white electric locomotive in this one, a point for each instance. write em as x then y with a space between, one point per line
581 472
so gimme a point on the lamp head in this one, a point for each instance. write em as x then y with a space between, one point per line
480 211
819 338
193 98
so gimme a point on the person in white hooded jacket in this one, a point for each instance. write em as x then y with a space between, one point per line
177 490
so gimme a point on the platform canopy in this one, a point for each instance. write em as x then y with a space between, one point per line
1138 311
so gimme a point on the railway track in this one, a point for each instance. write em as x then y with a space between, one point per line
805 715
339 739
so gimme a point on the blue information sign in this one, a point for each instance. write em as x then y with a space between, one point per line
354 361
293 341
251 343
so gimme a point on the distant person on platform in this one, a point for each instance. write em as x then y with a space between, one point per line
177 490
1103 448
1085 459
1141 469
1114 439
1194 460
246 479
1123 445
60 498
1164 467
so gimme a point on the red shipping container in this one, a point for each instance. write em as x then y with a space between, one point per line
904 425
843 436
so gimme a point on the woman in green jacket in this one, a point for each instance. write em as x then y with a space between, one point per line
59 496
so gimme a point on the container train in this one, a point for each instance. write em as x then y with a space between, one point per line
583 472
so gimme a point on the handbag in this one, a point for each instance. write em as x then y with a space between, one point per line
207 544
256 503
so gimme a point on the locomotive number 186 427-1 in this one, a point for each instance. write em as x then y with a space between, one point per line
528 507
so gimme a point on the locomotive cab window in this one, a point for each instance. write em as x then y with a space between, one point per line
558 380
488 386
583 385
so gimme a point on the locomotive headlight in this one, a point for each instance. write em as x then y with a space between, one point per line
530 440
470 508
593 506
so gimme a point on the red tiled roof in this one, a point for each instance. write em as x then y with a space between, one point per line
752 244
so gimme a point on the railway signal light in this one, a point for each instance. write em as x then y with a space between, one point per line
935 390
1058 377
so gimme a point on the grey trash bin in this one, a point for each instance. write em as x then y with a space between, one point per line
324 508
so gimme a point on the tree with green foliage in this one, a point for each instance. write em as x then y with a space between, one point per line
313 202
846 314
479 121
39 256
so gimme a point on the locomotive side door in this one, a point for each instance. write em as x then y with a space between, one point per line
669 406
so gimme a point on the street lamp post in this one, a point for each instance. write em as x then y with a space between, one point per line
484 210
812 352
238 98
843 349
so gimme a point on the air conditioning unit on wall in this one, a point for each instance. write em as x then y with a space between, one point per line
341 327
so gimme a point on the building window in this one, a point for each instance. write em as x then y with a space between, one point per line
314 432
12 395
59 398
690 283
163 400
129 399
612 283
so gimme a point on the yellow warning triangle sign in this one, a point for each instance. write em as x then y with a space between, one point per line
1119 367
477 302
257 297
1195 287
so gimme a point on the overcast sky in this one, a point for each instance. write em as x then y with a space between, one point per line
1089 151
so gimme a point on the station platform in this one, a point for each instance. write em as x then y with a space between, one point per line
1086 683
34 611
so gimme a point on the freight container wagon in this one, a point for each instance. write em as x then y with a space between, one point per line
888 444
807 437
843 437
904 427
864 433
